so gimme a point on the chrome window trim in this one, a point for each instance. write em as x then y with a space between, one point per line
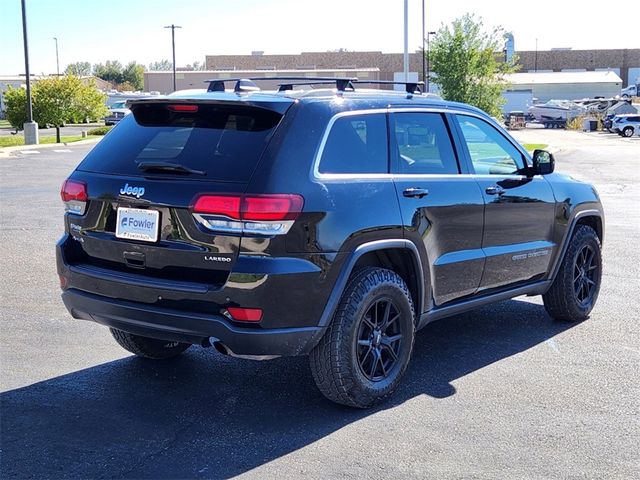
317 175
316 161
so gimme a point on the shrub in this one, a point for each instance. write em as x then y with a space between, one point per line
577 123
99 130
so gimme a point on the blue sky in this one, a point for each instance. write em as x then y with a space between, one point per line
125 30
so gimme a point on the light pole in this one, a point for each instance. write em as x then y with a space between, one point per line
57 59
406 40
173 47
30 127
426 79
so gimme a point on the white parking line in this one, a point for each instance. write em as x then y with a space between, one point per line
29 152
62 150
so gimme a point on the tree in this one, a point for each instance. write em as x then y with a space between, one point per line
79 69
195 66
126 87
161 65
133 73
15 100
89 103
110 71
465 66
56 101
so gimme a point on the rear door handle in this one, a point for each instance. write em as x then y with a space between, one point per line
494 190
413 192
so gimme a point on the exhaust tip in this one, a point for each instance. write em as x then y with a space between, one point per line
224 350
221 348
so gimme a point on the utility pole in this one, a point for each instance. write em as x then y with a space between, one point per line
31 127
428 59
406 40
173 47
57 58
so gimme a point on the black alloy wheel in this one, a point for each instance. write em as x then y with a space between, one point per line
575 289
362 356
379 340
585 275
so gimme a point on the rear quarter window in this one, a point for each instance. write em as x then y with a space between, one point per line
226 142
356 144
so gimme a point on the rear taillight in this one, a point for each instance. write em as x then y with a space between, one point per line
250 214
74 196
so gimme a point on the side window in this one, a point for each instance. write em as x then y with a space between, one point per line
356 144
423 144
491 153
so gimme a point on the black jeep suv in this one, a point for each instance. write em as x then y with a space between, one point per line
333 223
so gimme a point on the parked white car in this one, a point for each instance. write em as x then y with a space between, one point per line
630 91
626 125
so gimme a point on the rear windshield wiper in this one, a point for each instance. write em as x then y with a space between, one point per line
168 167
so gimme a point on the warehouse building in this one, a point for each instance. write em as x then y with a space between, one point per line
623 62
566 85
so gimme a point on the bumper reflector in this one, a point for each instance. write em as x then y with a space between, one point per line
245 314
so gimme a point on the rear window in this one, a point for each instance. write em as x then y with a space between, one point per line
226 142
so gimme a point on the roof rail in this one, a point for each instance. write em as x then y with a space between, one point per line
246 84
342 83
410 87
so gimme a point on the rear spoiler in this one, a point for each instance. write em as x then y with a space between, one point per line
274 104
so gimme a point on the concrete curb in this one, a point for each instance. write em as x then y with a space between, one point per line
6 151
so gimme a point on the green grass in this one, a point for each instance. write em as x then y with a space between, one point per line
18 140
530 147
5 124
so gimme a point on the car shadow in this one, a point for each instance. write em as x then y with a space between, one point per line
205 415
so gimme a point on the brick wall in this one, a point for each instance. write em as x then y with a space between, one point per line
558 60
388 63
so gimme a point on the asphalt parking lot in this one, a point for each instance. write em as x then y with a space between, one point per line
503 392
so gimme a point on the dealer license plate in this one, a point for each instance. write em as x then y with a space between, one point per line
137 224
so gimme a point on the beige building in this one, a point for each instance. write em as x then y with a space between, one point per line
163 81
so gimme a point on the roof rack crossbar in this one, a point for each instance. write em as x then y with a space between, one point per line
342 83
283 87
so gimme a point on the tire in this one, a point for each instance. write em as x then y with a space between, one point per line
627 132
148 347
365 351
575 289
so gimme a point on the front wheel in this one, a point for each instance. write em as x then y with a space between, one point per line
627 132
366 349
148 347
575 289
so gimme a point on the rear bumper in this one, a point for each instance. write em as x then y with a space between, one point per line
189 327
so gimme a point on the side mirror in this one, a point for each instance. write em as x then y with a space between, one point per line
543 162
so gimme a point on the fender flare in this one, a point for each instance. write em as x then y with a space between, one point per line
347 269
574 221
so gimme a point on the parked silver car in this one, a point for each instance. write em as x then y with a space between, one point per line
117 112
